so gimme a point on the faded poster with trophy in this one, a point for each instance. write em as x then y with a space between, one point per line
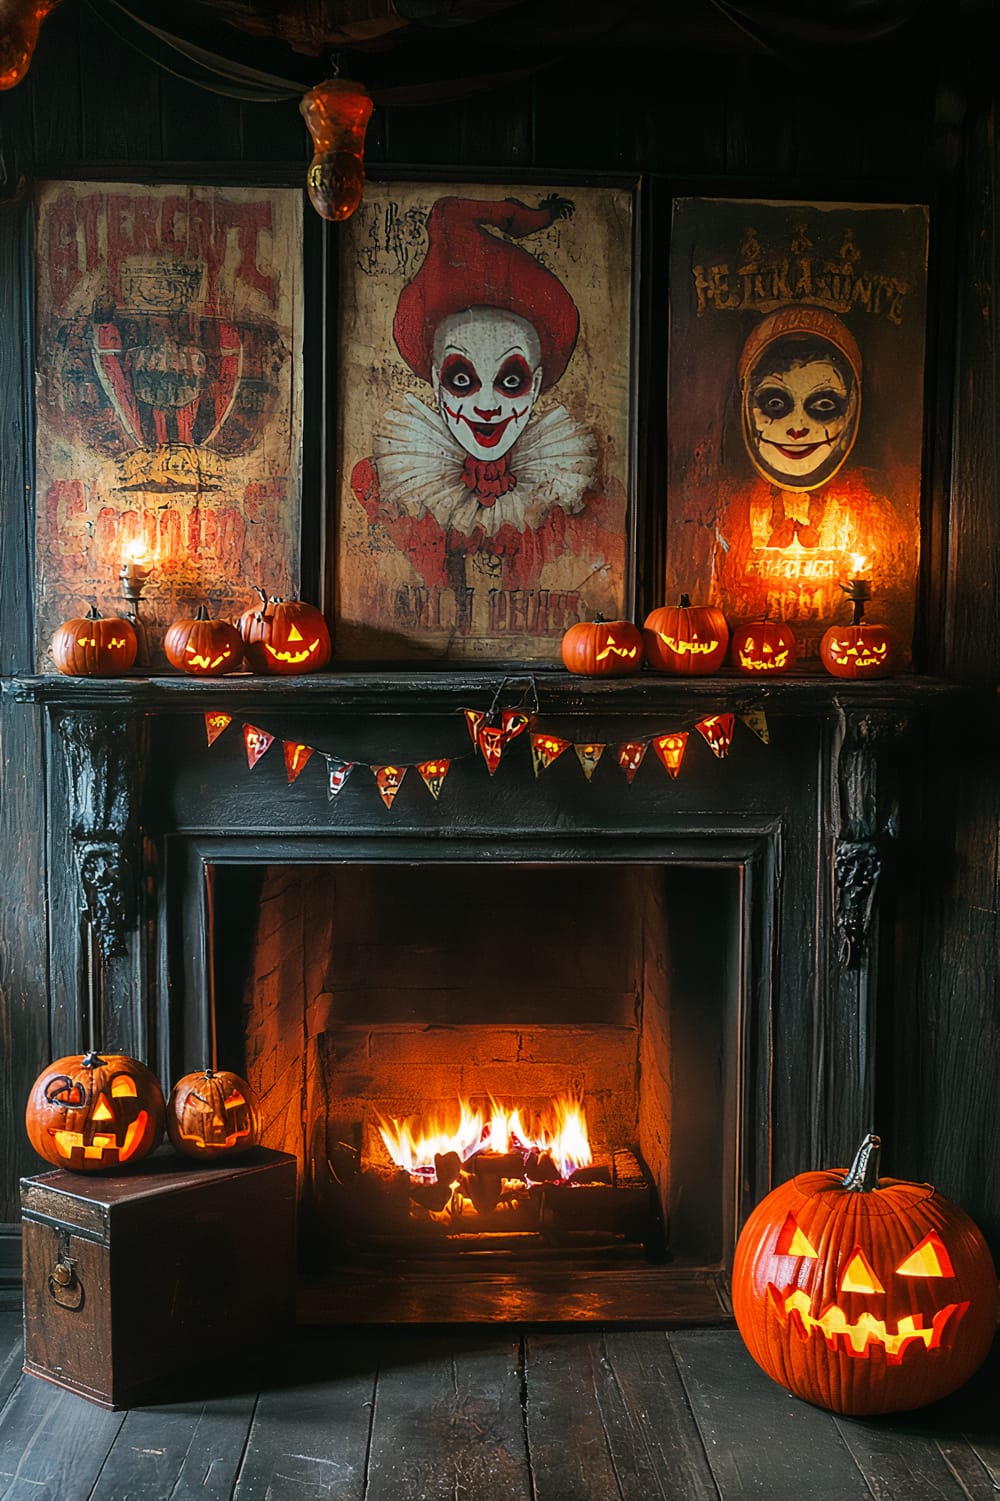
795 408
483 412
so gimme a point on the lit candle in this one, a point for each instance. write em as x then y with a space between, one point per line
137 565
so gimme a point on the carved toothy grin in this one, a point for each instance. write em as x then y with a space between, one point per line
868 1332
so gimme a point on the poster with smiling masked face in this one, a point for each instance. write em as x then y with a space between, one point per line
795 409
484 414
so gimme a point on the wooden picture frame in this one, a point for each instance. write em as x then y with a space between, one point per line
773 517
169 394
470 530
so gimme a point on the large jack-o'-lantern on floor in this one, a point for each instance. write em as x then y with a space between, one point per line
864 1296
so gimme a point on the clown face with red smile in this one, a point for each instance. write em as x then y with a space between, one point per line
486 372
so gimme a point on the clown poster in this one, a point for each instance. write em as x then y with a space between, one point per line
169 381
483 410
795 402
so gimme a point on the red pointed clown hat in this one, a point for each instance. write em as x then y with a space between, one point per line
468 267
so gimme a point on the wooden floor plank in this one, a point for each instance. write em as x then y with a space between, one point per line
568 1447
449 1423
653 1439
309 1436
760 1441
52 1443
11 1352
184 1451
896 1463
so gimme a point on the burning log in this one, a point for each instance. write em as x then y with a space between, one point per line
448 1167
539 1168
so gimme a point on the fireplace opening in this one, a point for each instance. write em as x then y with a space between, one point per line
512 1088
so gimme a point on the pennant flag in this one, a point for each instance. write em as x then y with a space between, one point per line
545 749
491 742
256 742
296 757
474 718
433 773
717 731
215 723
514 722
588 757
630 756
670 749
388 780
339 771
756 720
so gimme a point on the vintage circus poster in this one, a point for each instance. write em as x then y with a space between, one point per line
483 417
169 408
795 406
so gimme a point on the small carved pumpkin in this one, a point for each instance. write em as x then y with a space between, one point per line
286 637
91 1112
602 648
94 646
864 1296
203 647
213 1114
685 638
762 648
858 650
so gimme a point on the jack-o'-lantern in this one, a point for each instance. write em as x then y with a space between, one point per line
762 648
864 1296
203 647
285 637
91 1112
213 1114
861 649
687 639
94 646
602 648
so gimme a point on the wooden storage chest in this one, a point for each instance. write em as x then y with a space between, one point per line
130 1280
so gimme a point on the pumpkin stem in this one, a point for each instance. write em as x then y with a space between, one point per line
862 1176
93 1060
259 589
685 601
94 613
859 592
202 613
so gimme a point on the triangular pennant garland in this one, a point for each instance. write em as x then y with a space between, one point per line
296 757
588 757
756 720
545 749
514 722
670 749
630 757
491 743
256 742
388 780
717 732
339 771
433 773
474 718
215 723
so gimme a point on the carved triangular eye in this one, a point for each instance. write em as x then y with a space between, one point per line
235 1098
929 1259
793 1241
858 1275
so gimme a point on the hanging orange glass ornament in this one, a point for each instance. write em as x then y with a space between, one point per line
20 23
337 114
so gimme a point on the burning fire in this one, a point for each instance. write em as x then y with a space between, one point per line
560 1134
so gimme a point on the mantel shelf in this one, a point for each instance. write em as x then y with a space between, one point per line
400 691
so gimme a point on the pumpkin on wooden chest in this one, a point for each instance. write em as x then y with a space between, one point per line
602 648
213 1114
91 1112
94 646
864 1296
687 639
203 647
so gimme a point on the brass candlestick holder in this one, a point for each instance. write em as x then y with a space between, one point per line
134 577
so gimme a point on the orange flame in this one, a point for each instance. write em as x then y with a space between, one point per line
560 1131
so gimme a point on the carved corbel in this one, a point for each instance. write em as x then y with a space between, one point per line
857 854
104 767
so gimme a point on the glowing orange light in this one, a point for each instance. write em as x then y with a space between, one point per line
560 1132
337 114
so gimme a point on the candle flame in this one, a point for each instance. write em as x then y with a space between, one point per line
858 563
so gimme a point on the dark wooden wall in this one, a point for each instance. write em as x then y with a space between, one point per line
921 129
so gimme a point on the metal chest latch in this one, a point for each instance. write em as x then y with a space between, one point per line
65 1287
